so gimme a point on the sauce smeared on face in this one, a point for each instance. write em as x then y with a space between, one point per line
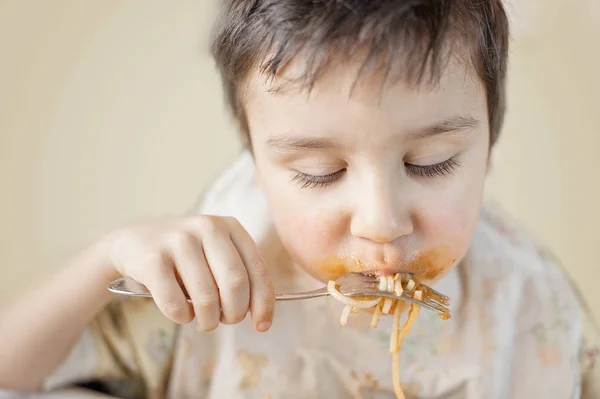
431 264
334 267
426 266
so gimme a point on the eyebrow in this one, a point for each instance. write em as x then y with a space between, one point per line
453 124
297 142
300 142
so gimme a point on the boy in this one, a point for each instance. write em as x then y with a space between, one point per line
369 127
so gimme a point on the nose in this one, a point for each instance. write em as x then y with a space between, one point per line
381 214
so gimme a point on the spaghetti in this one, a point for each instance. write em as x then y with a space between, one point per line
392 284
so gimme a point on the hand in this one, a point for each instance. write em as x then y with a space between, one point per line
210 258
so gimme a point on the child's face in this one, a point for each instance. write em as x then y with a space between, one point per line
369 181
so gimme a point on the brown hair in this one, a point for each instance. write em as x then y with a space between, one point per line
407 39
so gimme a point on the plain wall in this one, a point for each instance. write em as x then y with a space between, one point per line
112 111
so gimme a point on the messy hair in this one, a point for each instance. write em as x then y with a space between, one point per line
410 40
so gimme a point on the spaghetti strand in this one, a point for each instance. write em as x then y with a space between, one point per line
391 284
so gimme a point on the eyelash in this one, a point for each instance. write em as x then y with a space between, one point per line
441 169
312 181
424 171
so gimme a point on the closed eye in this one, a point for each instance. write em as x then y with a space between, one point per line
435 170
311 181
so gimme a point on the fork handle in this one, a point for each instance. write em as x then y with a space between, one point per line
302 295
128 286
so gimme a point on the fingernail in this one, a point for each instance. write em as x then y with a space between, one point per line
263 326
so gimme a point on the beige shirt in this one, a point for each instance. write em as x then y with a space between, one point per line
518 331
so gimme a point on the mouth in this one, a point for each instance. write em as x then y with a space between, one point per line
387 270
427 265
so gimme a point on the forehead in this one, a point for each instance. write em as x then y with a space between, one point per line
342 95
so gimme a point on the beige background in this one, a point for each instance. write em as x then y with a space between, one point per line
111 111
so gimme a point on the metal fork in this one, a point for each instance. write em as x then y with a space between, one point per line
351 285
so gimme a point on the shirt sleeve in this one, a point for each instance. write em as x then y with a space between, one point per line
128 347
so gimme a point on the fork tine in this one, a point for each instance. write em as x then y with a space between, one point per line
442 297
441 307
428 298
437 305
406 296
436 293
435 298
427 305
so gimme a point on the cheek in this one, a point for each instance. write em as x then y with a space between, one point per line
309 235
445 232
448 224
309 241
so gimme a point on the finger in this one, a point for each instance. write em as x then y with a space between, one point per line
198 280
230 275
167 293
262 294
